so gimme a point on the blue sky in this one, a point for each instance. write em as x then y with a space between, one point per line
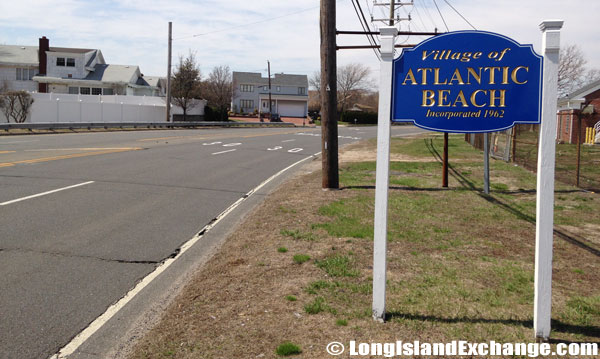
245 34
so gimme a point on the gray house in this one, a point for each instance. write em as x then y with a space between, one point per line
289 94
71 70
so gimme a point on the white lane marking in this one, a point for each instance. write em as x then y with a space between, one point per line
79 148
288 140
232 144
7 143
294 150
218 153
274 148
71 347
44 193
316 154
211 143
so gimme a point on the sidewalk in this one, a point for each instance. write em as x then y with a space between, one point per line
295 120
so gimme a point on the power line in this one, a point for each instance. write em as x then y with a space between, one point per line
429 14
459 14
248 24
365 26
409 15
374 42
420 17
442 16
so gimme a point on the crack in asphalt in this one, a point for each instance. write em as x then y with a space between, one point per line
68 255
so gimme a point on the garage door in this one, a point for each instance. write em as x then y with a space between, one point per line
291 108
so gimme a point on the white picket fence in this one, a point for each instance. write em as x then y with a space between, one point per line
65 108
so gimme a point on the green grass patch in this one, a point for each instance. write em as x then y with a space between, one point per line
282 250
582 311
287 349
351 218
318 305
297 234
431 145
291 298
338 266
301 258
316 286
341 322
284 209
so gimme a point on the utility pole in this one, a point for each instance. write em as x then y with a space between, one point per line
392 10
329 133
169 73
270 106
445 162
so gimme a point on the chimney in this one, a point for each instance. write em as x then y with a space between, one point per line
43 60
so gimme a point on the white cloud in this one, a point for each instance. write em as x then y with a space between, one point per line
135 31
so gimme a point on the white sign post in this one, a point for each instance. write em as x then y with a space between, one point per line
545 181
388 37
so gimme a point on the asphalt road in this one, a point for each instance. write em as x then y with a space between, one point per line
84 217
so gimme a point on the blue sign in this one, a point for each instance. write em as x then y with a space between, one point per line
467 81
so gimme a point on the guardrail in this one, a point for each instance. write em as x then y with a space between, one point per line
107 125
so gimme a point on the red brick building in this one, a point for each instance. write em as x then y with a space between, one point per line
582 104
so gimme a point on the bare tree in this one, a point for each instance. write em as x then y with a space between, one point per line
186 84
314 91
218 90
314 82
592 75
352 79
571 69
16 105
352 82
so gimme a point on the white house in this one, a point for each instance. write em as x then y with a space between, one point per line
289 94
72 71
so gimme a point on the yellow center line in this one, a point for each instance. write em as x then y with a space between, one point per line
74 155
2 152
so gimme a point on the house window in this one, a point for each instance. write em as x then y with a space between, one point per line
247 88
108 91
70 62
60 61
25 74
84 90
96 91
265 104
301 90
247 104
74 90
266 88
278 88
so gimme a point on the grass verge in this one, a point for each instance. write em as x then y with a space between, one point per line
460 263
